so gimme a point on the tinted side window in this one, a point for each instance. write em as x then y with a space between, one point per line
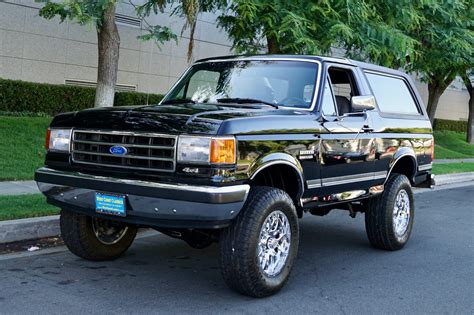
392 94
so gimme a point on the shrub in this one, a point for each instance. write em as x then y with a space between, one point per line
453 125
51 99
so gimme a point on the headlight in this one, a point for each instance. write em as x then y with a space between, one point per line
58 140
216 150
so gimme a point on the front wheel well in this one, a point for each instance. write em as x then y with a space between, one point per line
283 177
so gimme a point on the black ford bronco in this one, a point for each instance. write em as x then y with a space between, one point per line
239 150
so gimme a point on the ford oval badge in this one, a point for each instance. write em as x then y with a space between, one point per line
118 150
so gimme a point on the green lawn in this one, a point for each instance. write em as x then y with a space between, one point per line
452 145
21 146
448 168
25 206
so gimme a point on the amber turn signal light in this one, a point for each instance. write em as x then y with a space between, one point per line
222 150
48 137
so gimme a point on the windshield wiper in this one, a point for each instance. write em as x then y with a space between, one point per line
239 100
178 101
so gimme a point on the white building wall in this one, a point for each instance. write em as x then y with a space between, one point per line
453 104
38 50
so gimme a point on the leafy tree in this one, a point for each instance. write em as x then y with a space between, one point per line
313 27
441 35
280 26
432 38
101 13
382 36
187 9
467 73
446 45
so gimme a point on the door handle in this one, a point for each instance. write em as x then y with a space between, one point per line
366 128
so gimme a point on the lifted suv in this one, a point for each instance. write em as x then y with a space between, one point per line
236 153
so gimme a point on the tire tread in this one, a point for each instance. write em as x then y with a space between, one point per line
239 239
377 218
76 231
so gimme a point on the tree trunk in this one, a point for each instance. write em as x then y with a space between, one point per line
108 44
434 94
191 40
272 45
470 119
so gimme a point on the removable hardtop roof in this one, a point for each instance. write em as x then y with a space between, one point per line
344 61
296 57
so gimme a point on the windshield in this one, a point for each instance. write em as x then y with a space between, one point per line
283 83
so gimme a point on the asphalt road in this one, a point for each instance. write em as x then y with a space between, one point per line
336 272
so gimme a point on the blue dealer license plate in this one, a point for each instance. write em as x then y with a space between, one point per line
110 204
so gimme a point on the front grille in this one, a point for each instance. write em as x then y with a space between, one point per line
144 151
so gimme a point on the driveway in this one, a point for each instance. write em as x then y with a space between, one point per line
336 272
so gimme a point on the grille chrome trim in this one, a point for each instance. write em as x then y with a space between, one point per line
86 150
128 145
125 156
125 133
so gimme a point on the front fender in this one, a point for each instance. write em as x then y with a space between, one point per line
274 159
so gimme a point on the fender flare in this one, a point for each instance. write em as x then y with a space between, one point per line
280 159
401 153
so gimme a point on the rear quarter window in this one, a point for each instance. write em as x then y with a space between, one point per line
392 94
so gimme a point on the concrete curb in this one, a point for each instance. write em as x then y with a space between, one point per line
26 229
454 178
450 161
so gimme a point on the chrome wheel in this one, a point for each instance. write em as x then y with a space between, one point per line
108 232
401 213
274 243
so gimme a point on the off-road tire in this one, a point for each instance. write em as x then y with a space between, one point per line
238 243
379 215
79 237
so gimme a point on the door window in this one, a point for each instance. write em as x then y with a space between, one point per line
344 87
328 106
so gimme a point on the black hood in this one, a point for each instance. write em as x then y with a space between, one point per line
174 119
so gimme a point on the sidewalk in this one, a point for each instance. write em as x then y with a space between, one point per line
439 161
18 188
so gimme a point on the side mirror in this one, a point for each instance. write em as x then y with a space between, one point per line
362 103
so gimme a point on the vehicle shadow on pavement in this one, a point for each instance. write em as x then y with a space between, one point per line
158 267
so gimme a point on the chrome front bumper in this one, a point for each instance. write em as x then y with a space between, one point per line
148 203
